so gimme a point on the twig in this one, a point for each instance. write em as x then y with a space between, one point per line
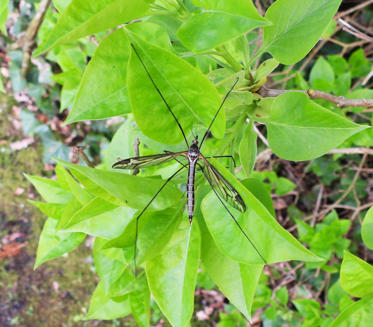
79 151
354 31
27 41
340 101
345 193
361 150
261 136
353 9
317 207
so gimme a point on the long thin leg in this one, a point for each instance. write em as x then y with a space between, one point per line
221 105
146 207
234 162
235 220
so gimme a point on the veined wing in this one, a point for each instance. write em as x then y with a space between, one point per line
223 187
146 161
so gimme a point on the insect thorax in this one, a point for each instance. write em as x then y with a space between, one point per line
193 152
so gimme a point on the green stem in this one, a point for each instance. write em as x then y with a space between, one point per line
229 59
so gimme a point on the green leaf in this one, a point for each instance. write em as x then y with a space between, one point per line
120 188
61 5
121 145
299 129
52 210
248 148
358 314
258 189
172 275
103 95
238 7
237 281
273 242
367 229
107 225
207 30
360 65
110 264
3 16
50 190
67 181
265 68
94 207
310 309
53 244
104 307
356 276
177 80
296 27
83 18
322 76
140 302
282 295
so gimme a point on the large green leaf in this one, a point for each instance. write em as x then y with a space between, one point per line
191 96
237 281
367 229
123 189
356 276
53 243
103 92
299 129
273 242
358 314
207 30
296 27
172 275
104 307
83 18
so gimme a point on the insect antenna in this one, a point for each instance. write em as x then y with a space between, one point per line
235 220
221 105
146 207
161 95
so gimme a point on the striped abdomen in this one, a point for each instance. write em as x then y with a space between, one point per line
190 190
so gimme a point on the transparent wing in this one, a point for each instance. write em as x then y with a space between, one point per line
223 187
146 161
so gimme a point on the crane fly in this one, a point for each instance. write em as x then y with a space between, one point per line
221 187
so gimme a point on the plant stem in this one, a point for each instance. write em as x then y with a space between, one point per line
223 52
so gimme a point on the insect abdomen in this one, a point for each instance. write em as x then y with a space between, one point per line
190 191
